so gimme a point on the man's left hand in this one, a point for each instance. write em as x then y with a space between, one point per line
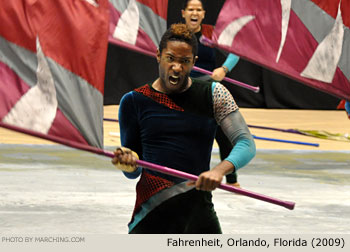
207 181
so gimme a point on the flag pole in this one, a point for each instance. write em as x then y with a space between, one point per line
262 138
287 204
276 129
285 141
232 81
147 165
311 133
151 54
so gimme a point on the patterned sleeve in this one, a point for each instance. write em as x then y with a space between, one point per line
223 102
233 125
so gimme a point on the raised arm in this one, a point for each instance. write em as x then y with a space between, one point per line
220 72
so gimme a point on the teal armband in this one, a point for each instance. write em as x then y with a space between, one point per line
230 62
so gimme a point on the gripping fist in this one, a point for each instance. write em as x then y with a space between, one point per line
218 74
125 159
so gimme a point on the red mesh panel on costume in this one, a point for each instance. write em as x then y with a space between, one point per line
147 186
158 97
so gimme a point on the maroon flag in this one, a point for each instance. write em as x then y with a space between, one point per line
305 40
52 62
138 24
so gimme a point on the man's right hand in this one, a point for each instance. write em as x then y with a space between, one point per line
125 159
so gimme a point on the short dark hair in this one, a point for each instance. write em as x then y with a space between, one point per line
179 32
185 3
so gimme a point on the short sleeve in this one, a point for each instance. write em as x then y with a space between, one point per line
223 102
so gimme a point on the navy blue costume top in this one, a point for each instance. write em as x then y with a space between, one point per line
176 131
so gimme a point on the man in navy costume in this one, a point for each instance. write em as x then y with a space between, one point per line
172 122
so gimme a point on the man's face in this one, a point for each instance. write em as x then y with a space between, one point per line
193 15
175 65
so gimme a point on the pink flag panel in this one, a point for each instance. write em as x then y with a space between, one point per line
139 26
11 89
70 132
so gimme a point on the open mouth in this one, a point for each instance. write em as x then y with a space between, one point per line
174 80
194 20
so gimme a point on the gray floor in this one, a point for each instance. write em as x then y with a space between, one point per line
58 190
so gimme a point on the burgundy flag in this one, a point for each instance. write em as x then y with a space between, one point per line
138 24
52 65
307 40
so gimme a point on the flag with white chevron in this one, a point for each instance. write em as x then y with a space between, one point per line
306 40
138 24
52 65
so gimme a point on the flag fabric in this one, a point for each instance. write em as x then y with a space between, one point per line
138 24
135 31
52 65
326 135
306 40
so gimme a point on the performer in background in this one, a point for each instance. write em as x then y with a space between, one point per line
172 122
193 12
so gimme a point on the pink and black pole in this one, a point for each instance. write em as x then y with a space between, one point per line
184 175
147 165
232 81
